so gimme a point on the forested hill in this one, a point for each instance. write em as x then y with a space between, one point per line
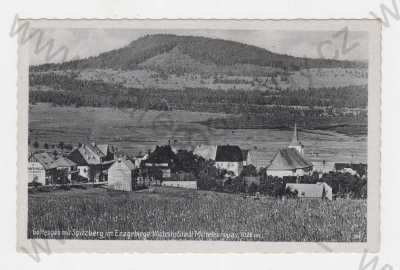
191 52
169 72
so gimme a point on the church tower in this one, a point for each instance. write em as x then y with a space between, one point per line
295 143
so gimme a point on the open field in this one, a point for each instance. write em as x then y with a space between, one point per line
133 131
183 211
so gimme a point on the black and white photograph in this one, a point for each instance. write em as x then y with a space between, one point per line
225 134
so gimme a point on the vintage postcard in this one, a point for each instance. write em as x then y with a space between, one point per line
199 135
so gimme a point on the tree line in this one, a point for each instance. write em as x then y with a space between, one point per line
99 93
343 184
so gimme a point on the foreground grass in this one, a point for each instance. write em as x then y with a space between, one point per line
185 211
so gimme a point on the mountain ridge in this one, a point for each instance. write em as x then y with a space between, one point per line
198 51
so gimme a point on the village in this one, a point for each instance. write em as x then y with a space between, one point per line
225 168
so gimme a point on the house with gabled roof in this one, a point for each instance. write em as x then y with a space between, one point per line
290 161
93 161
229 158
45 169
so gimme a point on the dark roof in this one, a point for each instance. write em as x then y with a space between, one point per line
229 153
162 154
90 153
288 159
77 157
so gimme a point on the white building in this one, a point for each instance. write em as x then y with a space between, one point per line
36 173
39 168
180 184
121 175
318 190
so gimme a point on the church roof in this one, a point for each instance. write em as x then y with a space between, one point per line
288 159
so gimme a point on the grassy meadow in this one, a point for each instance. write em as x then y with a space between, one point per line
174 210
133 131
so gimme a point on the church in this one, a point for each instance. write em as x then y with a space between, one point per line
290 161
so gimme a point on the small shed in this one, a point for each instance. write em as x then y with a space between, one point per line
318 190
180 184
121 176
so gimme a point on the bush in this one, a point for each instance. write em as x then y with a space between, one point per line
345 184
273 186
253 188
249 170
36 144
34 184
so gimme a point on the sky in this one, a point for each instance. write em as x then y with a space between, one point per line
82 43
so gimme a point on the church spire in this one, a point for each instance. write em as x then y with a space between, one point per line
295 139
295 143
